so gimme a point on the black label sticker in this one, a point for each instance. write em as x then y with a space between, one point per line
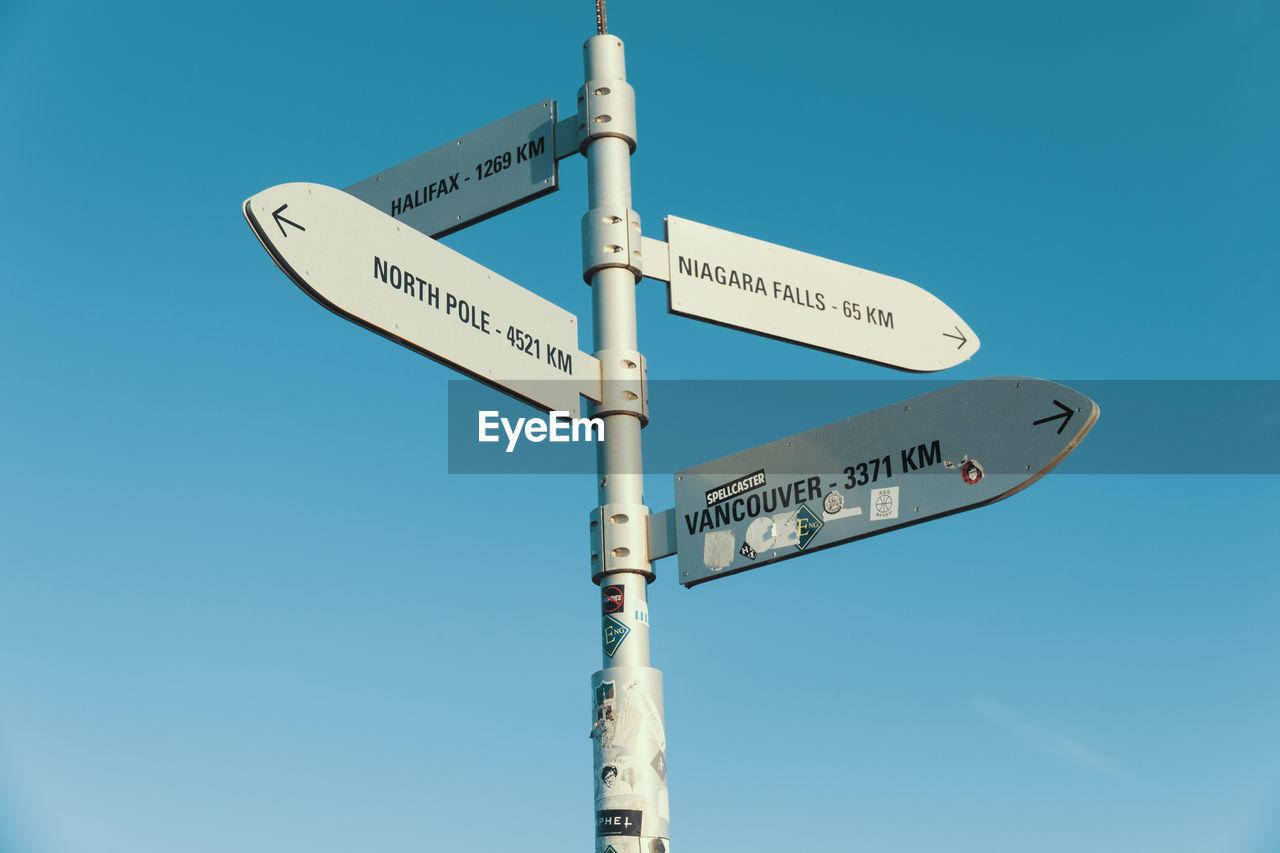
754 480
612 598
618 822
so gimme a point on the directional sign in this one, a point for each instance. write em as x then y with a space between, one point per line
930 456
367 267
473 177
770 290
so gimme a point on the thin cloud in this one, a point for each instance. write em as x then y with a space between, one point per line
1043 739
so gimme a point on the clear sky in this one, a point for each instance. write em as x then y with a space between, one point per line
245 607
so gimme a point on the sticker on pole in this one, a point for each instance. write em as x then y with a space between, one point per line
612 598
615 631
618 822
953 450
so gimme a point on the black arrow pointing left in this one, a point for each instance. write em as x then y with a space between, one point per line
1065 414
280 220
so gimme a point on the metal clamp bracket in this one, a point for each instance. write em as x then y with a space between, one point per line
606 108
611 238
619 540
624 385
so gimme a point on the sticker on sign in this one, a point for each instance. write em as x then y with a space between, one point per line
748 284
381 274
941 453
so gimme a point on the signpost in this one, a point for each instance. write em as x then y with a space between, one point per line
782 293
490 170
370 269
946 452
368 255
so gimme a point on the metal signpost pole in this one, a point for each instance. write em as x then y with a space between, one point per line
628 737
369 256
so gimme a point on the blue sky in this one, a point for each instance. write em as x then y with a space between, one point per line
243 605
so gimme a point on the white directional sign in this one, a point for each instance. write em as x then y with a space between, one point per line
367 267
930 456
473 177
782 293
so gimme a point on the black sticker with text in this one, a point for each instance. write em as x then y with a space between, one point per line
618 822
611 596
743 484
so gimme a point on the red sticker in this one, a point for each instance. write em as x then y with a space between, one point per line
612 597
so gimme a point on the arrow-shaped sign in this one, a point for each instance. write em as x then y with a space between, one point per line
365 266
938 454
473 177
1064 415
770 290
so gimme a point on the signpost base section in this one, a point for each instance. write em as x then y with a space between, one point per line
629 746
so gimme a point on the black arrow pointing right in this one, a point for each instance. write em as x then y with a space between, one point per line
962 339
1065 414
280 220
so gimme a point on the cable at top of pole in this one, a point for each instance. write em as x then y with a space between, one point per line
602 26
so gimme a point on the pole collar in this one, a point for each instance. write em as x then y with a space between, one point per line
606 108
611 238
624 385
619 534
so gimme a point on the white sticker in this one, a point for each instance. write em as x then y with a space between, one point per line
640 613
616 775
617 720
785 530
637 694
834 507
760 533
772 531
884 504
718 549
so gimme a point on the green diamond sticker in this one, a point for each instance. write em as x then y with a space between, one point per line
807 526
614 633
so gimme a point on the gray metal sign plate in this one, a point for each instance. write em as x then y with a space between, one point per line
498 167
930 456
370 269
782 293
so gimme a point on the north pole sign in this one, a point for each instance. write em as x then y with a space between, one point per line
369 268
